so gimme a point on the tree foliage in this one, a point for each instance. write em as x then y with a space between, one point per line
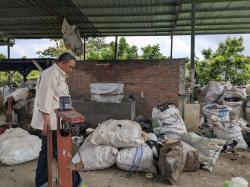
16 78
152 52
98 49
227 63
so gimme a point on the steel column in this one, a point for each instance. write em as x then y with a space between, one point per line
116 56
84 48
192 55
171 48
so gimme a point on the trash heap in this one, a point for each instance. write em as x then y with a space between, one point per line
226 109
160 145
120 142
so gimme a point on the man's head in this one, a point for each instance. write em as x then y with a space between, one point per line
66 62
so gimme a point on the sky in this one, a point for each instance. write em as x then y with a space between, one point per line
181 45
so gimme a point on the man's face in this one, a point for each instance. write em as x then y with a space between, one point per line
68 66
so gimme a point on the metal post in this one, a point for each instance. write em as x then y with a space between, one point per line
116 48
8 52
171 49
192 55
84 48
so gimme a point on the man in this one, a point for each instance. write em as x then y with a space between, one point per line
17 101
50 86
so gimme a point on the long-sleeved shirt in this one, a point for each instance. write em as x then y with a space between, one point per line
20 97
49 87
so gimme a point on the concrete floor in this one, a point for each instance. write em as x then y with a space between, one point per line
226 168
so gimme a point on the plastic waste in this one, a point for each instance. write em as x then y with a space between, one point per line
236 182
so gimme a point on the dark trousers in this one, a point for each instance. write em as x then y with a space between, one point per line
21 116
42 170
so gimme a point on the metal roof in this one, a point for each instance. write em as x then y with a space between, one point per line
24 65
43 18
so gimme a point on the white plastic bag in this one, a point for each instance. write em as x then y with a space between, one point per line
209 148
106 92
229 131
136 159
170 122
18 148
119 134
72 39
95 157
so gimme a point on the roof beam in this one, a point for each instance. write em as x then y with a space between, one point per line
100 6
117 31
113 27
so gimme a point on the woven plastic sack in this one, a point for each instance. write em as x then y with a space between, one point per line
172 161
170 122
94 157
235 101
209 148
106 92
71 37
215 113
214 90
229 131
136 159
119 134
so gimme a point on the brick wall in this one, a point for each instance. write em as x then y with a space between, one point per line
159 80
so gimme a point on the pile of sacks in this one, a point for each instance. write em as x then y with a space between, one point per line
17 146
226 112
167 146
181 150
120 142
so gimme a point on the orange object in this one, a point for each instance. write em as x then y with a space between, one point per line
66 120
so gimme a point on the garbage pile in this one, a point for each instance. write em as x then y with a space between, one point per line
17 146
158 146
226 109
116 141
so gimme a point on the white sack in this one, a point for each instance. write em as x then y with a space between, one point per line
136 159
229 131
13 132
215 113
209 148
71 37
18 148
119 134
95 157
170 122
106 92
214 90
234 100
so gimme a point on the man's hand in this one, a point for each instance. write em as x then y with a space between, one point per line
46 123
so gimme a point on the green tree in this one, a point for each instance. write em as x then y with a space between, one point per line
227 63
2 56
125 52
53 51
152 52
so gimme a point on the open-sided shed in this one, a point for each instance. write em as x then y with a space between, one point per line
43 18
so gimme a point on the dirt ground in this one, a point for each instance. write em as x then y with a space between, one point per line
226 168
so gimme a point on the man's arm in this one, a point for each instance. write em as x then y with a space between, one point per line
47 89
10 101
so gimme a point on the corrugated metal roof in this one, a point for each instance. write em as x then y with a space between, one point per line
43 18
